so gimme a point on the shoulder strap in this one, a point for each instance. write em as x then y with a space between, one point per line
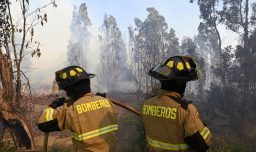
183 103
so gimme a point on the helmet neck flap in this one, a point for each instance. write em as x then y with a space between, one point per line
174 86
77 90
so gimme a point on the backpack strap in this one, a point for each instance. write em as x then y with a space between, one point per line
183 103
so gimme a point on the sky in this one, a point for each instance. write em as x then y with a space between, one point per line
54 36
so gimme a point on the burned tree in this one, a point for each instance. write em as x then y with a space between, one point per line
16 41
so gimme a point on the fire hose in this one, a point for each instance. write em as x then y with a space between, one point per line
127 107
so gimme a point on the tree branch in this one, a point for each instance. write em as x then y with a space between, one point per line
24 31
240 12
39 9
12 37
28 83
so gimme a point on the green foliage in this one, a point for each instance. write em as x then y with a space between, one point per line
5 147
5 26
5 98
152 42
232 95
131 133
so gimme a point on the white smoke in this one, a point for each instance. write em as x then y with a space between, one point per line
53 37
93 55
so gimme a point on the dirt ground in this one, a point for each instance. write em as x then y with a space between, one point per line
53 140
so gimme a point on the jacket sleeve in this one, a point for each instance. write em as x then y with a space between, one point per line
197 135
52 119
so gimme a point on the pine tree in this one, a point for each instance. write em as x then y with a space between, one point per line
80 37
151 44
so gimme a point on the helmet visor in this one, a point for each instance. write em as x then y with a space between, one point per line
161 72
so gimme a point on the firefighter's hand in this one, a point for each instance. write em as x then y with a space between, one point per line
57 103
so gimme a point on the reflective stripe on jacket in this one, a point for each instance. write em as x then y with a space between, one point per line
166 146
205 133
95 133
49 114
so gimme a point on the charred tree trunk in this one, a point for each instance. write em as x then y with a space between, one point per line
246 25
18 85
8 108
7 79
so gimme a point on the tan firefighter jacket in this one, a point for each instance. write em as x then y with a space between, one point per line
91 120
167 123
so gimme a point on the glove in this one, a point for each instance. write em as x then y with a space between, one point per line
197 142
57 103
101 94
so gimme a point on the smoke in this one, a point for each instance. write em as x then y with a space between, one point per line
123 81
123 84
94 50
53 37
93 55
99 50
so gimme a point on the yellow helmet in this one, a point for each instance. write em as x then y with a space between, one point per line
180 68
68 76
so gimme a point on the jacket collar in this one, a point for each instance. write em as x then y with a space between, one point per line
88 94
169 93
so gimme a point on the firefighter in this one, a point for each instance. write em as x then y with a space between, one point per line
90 118
172 123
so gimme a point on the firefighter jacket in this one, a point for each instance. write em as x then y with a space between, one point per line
173 126
91 120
